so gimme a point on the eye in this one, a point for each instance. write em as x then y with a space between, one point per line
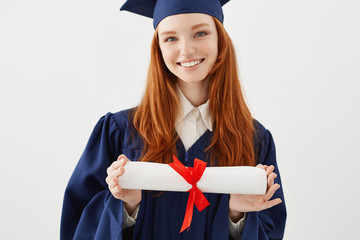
170 39
200 34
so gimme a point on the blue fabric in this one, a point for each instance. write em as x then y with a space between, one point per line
159 9
91 212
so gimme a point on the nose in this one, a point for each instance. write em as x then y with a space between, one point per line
187 48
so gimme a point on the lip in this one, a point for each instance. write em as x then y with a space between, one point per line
190 60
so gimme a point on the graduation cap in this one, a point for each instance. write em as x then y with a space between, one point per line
160 9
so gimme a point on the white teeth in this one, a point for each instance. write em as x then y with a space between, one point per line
190 64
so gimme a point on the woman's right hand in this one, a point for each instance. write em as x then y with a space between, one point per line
131 197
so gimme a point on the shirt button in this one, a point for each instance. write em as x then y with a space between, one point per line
195 111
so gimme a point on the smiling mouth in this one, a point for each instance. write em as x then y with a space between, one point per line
191 64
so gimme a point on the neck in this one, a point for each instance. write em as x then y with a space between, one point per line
196 93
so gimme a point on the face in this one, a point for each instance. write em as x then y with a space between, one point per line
189 45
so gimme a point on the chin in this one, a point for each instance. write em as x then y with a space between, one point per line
193 79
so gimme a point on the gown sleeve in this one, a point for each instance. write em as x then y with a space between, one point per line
269 223
89 210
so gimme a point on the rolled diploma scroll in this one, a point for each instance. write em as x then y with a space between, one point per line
161 177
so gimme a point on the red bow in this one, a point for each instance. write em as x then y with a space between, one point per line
192 175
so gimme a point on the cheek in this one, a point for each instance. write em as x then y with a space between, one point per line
168 56
210 49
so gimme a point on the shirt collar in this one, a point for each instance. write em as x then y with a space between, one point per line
186 108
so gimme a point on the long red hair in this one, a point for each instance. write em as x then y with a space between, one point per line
233 132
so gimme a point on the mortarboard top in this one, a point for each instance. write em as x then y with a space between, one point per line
160 9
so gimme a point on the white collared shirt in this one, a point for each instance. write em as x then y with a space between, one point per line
191 124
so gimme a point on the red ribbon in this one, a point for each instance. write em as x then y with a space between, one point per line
192 175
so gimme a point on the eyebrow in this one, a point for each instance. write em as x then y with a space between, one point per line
168 33
192 28
200 25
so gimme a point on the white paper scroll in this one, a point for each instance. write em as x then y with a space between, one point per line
161 177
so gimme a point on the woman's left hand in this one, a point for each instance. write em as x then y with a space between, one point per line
240 203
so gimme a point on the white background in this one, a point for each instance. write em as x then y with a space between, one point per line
64 64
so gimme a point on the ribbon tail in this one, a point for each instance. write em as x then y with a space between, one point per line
200 200
192 176
189 211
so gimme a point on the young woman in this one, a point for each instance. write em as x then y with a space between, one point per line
193 107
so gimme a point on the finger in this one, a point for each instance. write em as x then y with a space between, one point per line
111 174
117 172
120 161
270 204
121 156
125 158
115 180
271 191
108 179
271 179
261 166
116 192
115 165
270 169
113 183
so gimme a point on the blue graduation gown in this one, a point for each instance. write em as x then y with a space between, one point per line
91 212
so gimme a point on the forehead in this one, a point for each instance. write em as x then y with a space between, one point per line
185 21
